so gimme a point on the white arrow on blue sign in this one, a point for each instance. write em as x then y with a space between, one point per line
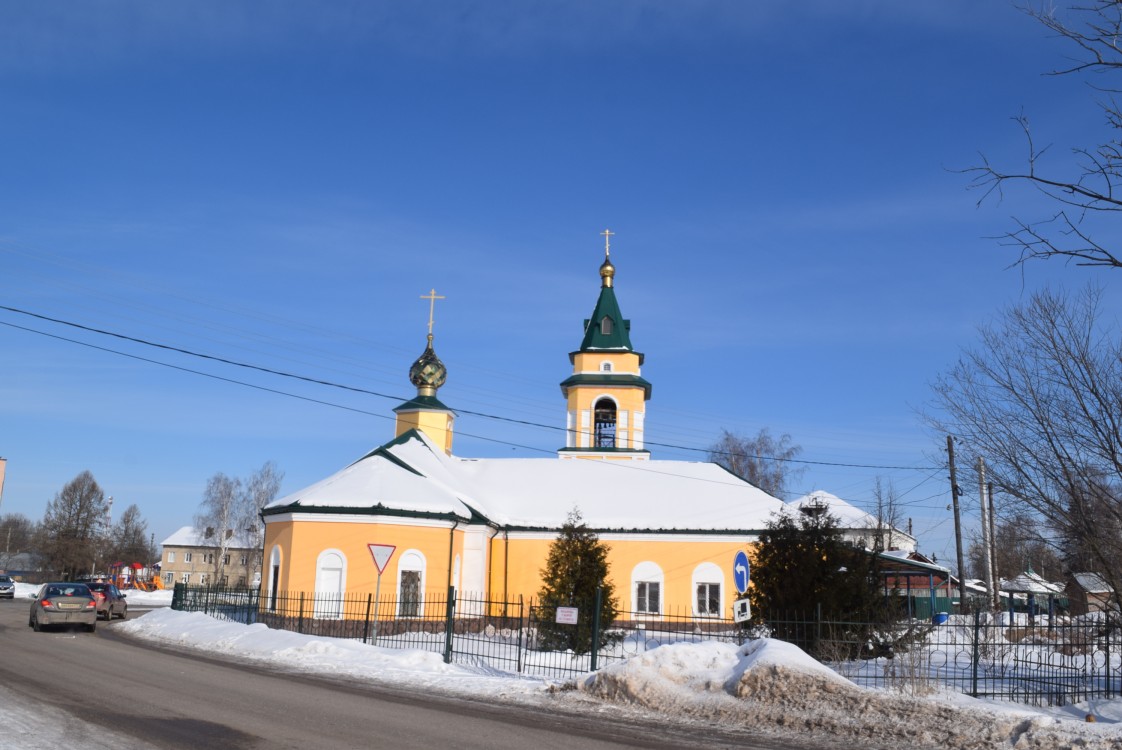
740 571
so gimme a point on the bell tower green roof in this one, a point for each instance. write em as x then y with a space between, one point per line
607 329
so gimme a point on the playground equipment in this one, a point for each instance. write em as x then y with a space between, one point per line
135 576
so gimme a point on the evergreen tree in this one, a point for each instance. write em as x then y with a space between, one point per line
805 569
576 567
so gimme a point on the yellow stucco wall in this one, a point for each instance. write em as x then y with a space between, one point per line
302 542
436 424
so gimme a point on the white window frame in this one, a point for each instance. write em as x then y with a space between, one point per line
186 557
329 604
171 556
647 573
709 574
412 560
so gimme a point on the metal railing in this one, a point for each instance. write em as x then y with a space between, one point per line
1056 663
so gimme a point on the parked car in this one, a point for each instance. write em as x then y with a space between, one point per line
110 601
7 588
63 604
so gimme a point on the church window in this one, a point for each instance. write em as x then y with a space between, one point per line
274 577
410 584
707 579
605 424
606 326
646 587
605 367
708 598
331 576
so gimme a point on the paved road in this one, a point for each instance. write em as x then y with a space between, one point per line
107 690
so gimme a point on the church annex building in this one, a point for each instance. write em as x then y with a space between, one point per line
484 526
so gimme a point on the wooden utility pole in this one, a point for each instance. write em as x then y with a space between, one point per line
957 527
987 540
993 541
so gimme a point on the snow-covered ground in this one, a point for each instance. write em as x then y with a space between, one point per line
766 684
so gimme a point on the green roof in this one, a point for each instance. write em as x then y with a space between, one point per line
616 338
606 378
422 403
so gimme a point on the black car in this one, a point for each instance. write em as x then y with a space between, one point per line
110 601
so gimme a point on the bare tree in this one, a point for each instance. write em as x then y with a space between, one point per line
1041 399
1088 186
260 489
230 516
762 460
220 514
16 532
887 515
71 536
129 539
1021 543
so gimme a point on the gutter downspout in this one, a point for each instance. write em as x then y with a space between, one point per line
506 562
451 537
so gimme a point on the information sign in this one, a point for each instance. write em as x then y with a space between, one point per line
566 615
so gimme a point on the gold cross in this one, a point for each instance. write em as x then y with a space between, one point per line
432 297
607 242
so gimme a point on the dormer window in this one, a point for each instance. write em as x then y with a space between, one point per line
606 326
605 367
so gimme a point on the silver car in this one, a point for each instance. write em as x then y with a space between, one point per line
7 588
63 604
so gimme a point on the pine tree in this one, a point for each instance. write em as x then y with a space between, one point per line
805 570
576 567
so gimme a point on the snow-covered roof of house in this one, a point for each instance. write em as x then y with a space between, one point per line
1092 583
849 516
189 536
1030 583
411 475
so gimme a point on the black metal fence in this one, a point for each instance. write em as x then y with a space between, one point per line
1047 663
1051 662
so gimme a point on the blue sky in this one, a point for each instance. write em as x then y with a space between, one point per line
278 184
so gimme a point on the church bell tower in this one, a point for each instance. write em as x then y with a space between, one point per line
606 395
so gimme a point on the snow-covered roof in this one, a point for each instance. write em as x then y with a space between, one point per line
1030 583
413 475
1092 583
189 536
849 516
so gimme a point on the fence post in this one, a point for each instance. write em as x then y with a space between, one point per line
1106 663
522 614
366 620
596 629
974 659
177 596
300 620
449 619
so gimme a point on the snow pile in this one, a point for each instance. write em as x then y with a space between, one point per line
319 655
765 685
772 685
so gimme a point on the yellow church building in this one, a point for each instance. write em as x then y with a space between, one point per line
484 525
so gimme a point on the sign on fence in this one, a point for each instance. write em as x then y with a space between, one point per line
566 615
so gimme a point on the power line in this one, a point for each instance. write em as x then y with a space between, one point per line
364 391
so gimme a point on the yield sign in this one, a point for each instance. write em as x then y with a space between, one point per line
382 554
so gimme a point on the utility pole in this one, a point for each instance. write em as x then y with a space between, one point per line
987 540
957 527
993 541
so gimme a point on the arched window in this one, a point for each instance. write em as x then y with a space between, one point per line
331 576
707 579
604 419
606 326
410 584
646 588
605 367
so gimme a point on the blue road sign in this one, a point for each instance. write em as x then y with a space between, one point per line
740 571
